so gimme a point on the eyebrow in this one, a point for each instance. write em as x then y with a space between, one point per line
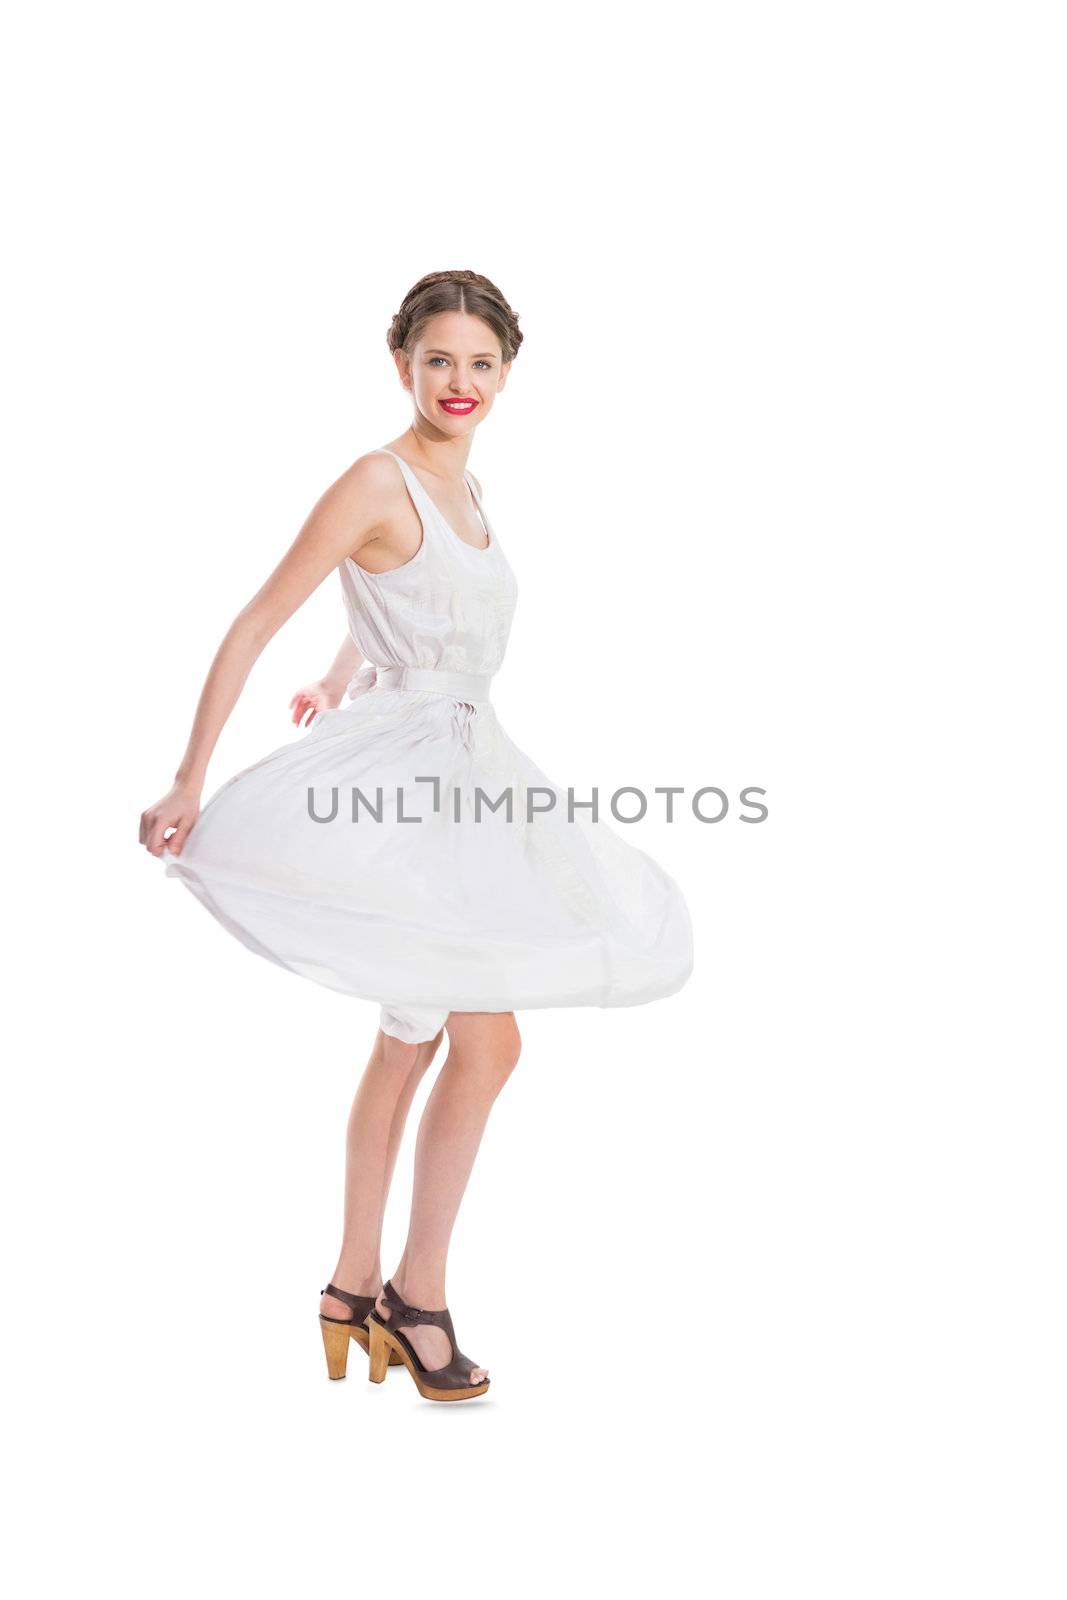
480 356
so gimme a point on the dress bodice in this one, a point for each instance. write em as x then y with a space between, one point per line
450 607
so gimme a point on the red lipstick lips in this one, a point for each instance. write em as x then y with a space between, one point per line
458 408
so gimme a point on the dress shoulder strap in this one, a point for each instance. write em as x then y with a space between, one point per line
473 487
419 494
411 479
424 501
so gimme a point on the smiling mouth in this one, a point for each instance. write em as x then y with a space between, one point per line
460 407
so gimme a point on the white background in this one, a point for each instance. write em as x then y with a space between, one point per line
768 1275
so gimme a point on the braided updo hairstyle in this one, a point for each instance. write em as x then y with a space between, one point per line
455 291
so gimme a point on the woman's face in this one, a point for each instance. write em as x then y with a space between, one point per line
455 372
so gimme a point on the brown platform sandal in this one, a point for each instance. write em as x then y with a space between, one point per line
338 1332
387 1343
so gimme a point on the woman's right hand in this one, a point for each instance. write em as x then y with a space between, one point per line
178 810
313 698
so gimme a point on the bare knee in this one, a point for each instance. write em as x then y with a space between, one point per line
485 1046
402 1066
406 1060
510 1049
396 1054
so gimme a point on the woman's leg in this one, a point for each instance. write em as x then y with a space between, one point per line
375 1128
483 1049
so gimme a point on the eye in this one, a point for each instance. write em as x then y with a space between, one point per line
436 358
484 364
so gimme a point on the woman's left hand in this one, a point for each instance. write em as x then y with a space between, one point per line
313 698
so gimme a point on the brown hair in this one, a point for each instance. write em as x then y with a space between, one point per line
455 291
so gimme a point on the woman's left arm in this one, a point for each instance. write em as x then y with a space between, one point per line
328 691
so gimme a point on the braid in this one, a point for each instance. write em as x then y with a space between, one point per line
460 290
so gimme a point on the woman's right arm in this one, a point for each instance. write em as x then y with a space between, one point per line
348 516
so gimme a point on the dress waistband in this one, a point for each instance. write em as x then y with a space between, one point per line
472 686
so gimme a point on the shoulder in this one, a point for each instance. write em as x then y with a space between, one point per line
368 489
373 472
360 504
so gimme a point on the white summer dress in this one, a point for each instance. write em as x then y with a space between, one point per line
375 854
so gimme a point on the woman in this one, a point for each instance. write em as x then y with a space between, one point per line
405 850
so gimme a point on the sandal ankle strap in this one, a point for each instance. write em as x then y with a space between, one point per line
402 1313
358 1302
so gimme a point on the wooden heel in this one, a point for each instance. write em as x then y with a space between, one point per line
380 1352
336 1338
